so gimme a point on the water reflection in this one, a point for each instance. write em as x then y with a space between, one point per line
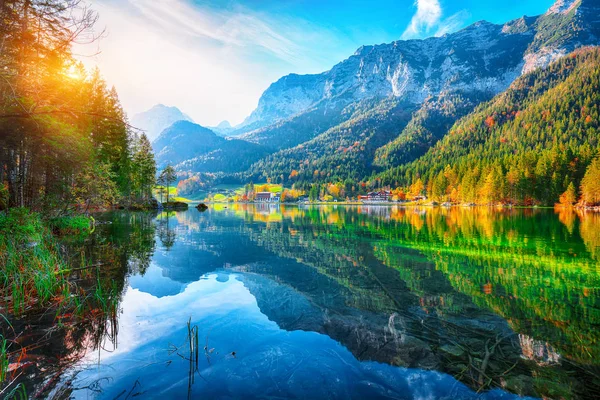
44 343
250 356
358 301
166 233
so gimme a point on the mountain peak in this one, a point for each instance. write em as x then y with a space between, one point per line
481 60
187 124
158 118
564 6
224 125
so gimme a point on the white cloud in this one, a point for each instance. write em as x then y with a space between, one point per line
214 63
238 28
427 16
428 21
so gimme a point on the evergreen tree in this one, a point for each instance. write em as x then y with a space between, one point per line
168 176
313 193
57 126
143 177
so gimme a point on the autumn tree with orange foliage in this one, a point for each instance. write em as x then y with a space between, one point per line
569 197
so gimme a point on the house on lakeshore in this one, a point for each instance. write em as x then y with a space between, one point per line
382 196
267 197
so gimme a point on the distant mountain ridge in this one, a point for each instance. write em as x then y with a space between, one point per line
157 119
191 147
223 129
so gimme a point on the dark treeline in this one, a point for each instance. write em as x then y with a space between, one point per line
64 137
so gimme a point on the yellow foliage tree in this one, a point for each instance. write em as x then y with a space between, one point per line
416 189
569 197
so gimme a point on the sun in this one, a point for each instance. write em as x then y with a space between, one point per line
74 72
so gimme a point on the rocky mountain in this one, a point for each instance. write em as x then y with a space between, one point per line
334 119
157 119
483 57
194 148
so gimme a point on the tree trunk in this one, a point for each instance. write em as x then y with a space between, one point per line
22 171
2 164
11 177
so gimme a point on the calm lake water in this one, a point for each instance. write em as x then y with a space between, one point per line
348 302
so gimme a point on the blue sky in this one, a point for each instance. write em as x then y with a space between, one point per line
214 58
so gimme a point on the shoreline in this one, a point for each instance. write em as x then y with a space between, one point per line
407 205
195 203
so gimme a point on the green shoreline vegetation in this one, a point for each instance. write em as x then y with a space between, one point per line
66 150
38 279
67 278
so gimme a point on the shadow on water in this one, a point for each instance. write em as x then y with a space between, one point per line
348 301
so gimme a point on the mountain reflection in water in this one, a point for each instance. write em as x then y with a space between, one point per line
353 302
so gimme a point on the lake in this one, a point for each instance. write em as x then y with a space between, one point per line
269 301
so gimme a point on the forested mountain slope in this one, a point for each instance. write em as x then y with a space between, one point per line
525 146
344 151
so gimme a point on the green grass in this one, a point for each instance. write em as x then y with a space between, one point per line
18 393
20 224
239 191
30 258
78 225
35 279
173 194
3 359
220 197
35 274
275 188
